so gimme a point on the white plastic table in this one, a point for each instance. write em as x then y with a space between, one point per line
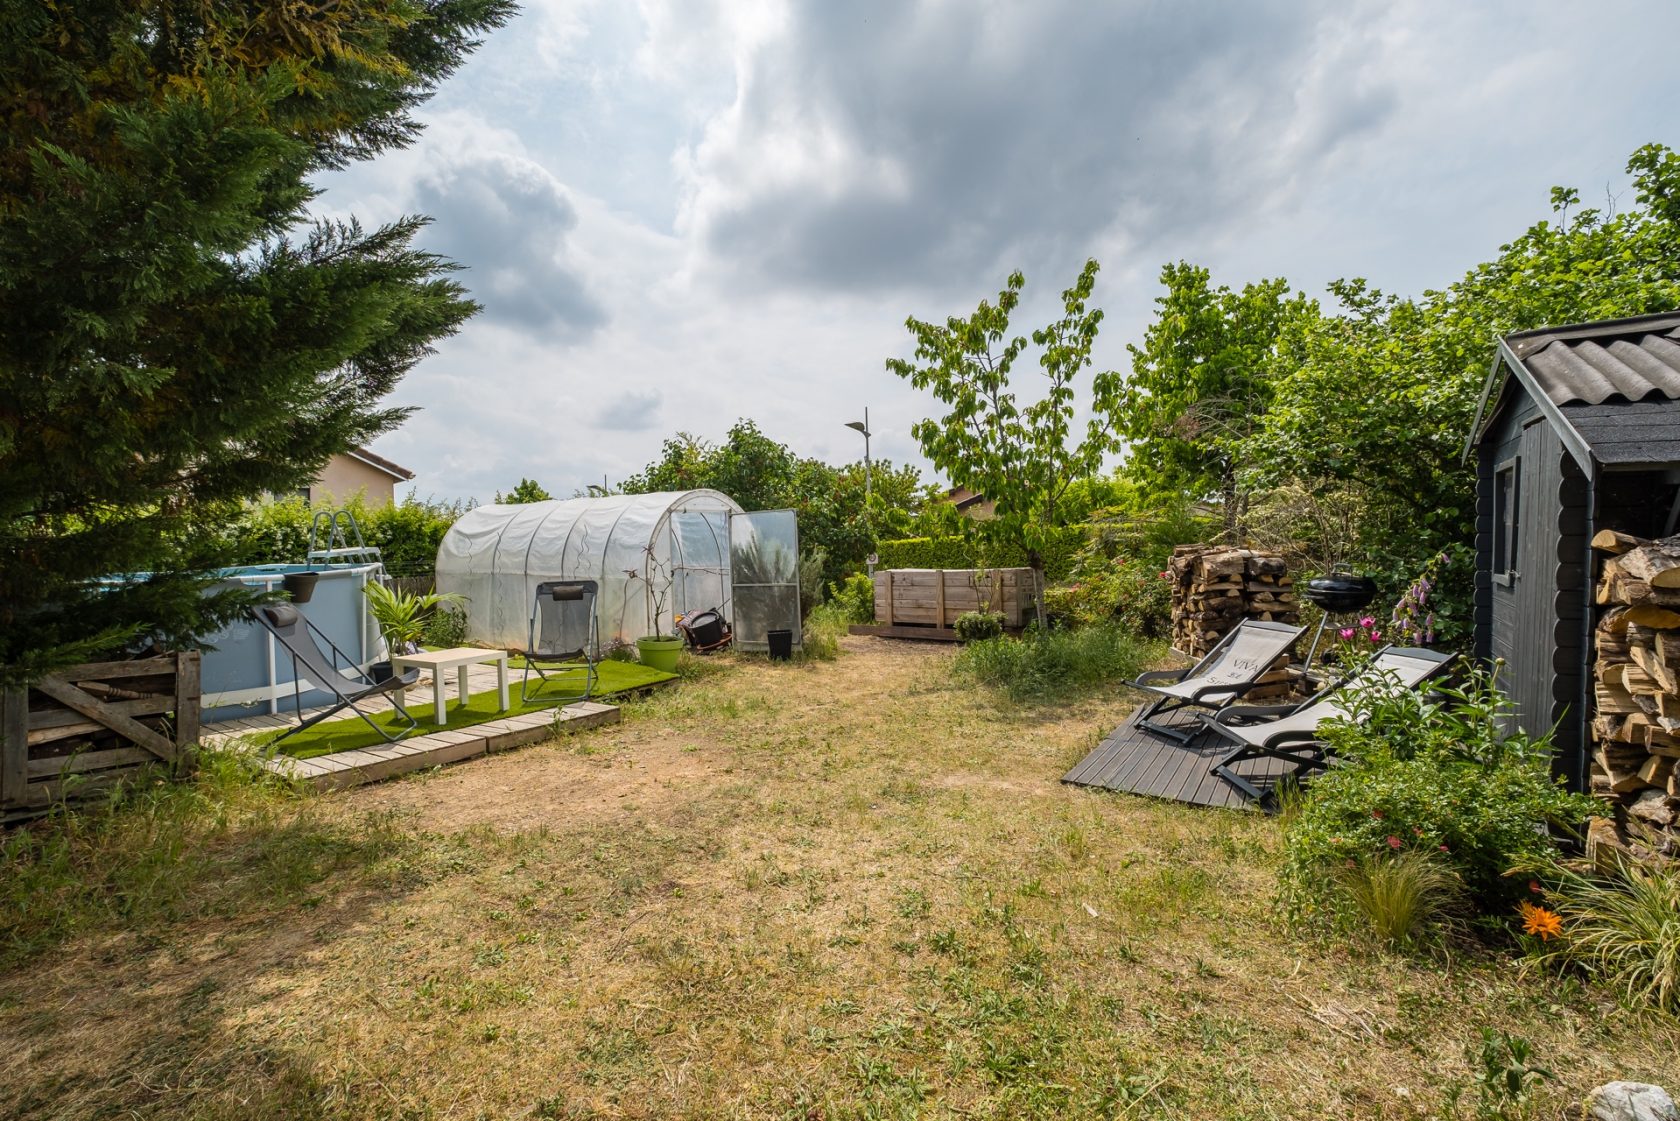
458 658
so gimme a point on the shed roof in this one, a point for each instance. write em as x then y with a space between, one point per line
1610 388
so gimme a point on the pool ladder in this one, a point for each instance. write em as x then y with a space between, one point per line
343 537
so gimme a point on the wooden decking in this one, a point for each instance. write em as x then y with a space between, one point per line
1137 761
421 749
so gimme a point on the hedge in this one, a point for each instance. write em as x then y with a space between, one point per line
407 534
961 552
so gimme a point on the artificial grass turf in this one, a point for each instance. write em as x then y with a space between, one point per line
352 732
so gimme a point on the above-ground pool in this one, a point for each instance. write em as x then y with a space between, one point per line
248 673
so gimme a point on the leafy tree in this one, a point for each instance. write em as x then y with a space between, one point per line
762 474
1017 455
1378 398
528 490
1202 381
176 339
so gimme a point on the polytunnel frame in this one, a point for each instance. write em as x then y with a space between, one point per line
639 549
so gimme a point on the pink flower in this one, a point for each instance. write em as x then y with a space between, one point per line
1347 632
1393 842
1534 886
1368 622
1444 848
1376 636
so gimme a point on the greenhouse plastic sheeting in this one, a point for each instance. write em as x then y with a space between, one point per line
654 556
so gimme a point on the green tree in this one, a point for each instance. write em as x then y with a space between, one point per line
176 338
1201 382
1379 397
762 474
1020 456
528 490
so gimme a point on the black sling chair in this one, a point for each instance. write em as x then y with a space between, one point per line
563 629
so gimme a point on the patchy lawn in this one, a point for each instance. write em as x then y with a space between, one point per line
820 891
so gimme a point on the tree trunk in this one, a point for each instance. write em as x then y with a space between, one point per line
1229 501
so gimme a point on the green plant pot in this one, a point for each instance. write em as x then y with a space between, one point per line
659 652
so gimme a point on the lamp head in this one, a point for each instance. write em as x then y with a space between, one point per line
858 425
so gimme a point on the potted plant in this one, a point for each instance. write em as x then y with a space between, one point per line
659 651
401 618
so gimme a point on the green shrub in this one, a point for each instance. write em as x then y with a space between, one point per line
1126 590
1623 927
407 534
1045 665
977 626
446 627
1429 776
855 597
821 633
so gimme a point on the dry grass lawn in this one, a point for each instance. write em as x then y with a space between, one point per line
836 890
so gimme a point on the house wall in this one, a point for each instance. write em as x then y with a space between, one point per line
344 476
1535 623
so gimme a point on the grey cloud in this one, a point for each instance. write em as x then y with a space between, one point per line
506 221
630 412
1022 134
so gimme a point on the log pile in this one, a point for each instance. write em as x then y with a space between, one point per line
1215 587
1636 678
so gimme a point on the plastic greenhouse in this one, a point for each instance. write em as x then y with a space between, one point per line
654 556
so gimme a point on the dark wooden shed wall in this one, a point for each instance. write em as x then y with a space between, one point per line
1537 623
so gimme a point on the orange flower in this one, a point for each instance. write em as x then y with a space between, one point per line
1539 921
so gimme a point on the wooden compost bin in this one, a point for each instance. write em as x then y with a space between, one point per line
81 729
934 597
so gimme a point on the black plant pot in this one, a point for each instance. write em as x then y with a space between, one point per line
379 672
781 645
299 585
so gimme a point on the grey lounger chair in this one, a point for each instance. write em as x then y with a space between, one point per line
1291 732
347 684
1229 670
563 629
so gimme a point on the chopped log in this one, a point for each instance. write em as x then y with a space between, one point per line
1616 542
1656 770
1653 667
1656 564
1612 699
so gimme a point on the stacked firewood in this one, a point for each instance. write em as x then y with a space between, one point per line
1636 673
1215 587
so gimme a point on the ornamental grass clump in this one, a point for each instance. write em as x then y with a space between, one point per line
1622 926
1401 898
1430 779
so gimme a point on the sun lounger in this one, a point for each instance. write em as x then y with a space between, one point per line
1229 670
1291 732
311 668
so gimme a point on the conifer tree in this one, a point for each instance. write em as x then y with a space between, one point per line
176 335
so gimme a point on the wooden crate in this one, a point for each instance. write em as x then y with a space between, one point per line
934 597
81 729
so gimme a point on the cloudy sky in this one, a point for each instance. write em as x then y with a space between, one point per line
678 213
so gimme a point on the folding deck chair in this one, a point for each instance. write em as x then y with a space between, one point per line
1230 669
348 685
1291 732
563 629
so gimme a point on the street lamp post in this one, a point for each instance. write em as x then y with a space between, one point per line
868 481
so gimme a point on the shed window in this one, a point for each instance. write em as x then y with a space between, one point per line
1506 507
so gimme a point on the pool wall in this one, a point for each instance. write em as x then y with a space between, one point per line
250 674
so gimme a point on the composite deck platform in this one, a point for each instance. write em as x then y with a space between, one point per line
1137 761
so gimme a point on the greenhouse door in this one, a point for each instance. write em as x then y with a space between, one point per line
764 573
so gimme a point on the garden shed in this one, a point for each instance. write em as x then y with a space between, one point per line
1577 431
653 555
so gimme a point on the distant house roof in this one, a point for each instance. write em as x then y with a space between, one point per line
962 497
1610 388
379 462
